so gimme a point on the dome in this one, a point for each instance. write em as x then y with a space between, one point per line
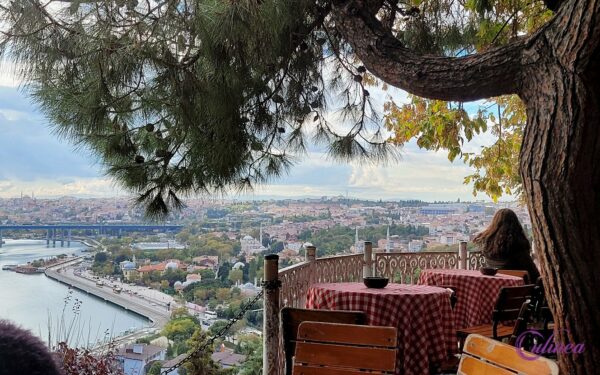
129 266
172 266
238 265
307 244
248 238
178 284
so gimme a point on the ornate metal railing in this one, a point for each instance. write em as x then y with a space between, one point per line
475 260
296 279
399 267
405 267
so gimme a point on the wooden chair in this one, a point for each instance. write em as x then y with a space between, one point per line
542 313
344 349
522 323
292 317
453 297
508 304
485 356
518 273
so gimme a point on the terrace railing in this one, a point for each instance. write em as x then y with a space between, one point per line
297 279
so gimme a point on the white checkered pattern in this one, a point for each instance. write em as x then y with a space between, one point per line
476 293
422 315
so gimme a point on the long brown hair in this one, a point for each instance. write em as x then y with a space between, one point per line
503 236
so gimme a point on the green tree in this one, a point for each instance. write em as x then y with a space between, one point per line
251 346
201 363
154 368
180 329
100 257
236 275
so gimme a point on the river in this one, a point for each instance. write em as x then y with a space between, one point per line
48 307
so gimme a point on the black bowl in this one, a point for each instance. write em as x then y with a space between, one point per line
488 271
376 282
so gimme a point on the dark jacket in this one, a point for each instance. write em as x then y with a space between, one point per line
519 260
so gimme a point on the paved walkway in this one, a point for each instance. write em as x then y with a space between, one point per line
159 315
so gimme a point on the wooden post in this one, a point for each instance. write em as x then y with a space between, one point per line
462 255
271 316
310 253
368 262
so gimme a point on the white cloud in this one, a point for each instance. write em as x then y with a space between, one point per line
80 187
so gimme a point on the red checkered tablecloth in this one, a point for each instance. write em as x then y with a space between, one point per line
476 293
422 315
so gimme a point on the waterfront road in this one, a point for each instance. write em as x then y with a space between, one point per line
158 315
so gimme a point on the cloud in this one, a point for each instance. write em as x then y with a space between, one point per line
45 188
28 149
32 158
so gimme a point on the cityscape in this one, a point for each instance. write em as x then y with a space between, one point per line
199 267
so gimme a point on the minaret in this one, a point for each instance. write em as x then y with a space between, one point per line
387 241
260 234
357 247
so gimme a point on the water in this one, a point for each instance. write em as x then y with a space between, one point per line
46 306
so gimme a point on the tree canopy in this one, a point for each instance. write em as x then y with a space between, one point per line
162 92
180 97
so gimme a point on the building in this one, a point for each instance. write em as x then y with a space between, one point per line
168 364
206 262
452 238
129 270
415 246
135 357
227 358
250 245
443 209
173 264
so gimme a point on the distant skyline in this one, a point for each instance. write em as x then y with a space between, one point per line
35 160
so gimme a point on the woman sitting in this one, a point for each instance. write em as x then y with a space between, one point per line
505 246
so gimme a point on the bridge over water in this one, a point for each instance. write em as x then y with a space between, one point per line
62 232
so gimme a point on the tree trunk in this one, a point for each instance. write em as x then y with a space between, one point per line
556 72
560 167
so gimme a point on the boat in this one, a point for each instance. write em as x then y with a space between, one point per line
117 289
9 267
99 284
28 270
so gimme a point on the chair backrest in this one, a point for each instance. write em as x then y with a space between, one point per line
518 273
509 303
524 319
292 317
482 355
453 296
344 349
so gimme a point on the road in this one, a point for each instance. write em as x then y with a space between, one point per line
157 313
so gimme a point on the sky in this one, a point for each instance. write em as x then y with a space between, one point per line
33 160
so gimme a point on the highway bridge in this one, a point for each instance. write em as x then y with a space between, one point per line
62 232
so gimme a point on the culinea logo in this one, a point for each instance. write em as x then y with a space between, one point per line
550 346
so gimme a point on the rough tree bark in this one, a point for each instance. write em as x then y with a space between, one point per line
556 73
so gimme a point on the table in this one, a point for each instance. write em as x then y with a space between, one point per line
476 293
422 314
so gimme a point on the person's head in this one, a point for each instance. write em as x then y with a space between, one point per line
23 353
504 235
